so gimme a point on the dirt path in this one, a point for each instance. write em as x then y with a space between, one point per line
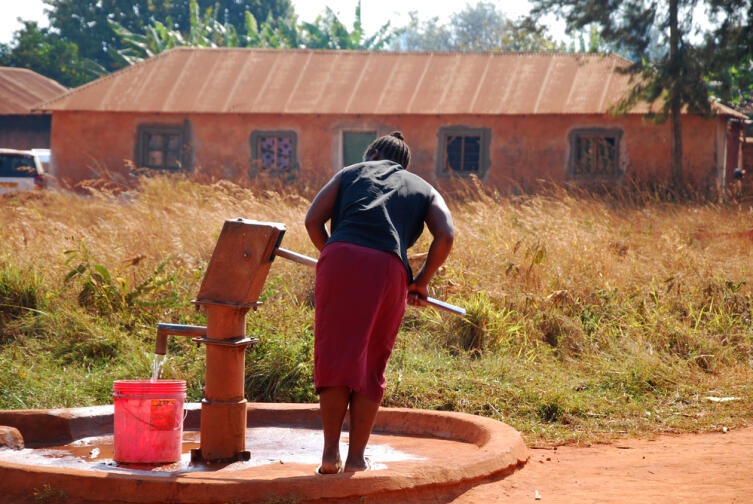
690 468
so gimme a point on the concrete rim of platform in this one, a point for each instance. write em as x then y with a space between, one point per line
500 449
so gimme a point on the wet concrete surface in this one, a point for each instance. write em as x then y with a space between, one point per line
416 455
268 445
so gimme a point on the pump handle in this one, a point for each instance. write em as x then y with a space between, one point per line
309 261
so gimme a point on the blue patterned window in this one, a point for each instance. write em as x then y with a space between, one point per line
274 152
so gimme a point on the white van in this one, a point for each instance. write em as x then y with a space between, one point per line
44 156
20 171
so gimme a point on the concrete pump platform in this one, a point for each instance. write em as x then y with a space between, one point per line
440 451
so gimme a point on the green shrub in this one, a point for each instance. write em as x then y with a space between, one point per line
106 293
21 300
281 370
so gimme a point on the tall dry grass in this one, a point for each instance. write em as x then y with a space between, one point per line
589 315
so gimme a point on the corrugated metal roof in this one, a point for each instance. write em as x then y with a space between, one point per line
190 80
721 109
22 89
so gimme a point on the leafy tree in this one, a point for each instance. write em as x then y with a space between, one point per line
423 36
476 28
730 48
328 32
277 33
480 28
87 22
232 12
84 23
525 35
673 70
158 37
203 31
483 28
595 43
46 53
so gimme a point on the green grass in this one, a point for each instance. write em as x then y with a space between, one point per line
589 318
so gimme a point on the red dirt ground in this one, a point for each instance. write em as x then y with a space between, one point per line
689 468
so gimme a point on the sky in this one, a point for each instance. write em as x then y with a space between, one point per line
374 13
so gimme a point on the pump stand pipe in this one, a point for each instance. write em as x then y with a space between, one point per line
310 261
165 330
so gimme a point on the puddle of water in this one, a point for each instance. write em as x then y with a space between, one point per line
268 445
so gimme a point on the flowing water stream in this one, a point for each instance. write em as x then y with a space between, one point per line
157 363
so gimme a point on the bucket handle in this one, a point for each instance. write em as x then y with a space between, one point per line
150 424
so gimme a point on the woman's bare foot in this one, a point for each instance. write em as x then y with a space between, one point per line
331 463
357 465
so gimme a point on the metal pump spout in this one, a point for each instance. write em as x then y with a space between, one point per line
165 330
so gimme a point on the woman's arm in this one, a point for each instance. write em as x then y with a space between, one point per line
439 221
320 212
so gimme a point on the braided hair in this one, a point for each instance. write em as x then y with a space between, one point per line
392 147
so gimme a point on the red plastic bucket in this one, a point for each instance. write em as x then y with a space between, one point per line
148 420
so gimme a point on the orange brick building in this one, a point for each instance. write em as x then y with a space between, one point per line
509 118
20 91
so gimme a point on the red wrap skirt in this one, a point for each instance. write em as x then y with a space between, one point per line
360 296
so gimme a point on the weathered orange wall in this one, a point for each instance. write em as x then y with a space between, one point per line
734 147
522 149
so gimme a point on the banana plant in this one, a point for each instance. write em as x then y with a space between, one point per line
157 37
328 32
